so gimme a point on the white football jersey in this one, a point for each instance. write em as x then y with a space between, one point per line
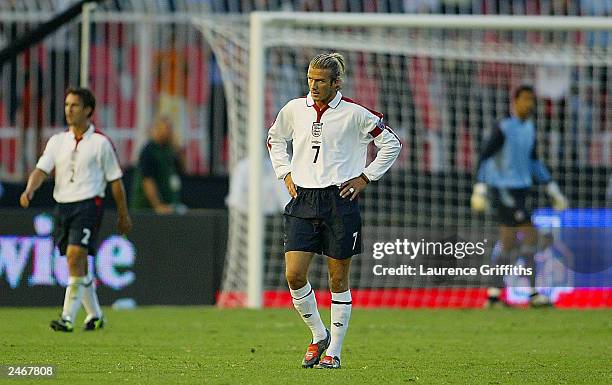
330 144
83 167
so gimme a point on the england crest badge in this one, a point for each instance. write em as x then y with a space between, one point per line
316 129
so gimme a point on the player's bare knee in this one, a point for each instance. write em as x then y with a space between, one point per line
338 283
77 261
296 279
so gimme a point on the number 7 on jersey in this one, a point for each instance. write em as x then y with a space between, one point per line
316 156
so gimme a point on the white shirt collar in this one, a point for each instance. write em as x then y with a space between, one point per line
87 133
332 104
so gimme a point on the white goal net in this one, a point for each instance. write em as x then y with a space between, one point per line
442 84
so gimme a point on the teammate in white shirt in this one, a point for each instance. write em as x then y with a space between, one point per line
330 135
84 162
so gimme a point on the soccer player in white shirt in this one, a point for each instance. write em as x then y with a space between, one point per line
84 161
330 135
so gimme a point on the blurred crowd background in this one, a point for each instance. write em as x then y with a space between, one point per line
148 60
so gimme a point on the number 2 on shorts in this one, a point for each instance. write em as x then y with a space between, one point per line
86 235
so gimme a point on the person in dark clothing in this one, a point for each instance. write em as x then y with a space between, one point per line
157 182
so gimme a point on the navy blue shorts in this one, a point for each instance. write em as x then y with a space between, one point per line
77 223
322 222
510 206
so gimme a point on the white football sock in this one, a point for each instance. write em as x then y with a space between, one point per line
73 297
90 299
305 303
341 306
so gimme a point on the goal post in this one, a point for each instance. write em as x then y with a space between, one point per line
255 154
451 77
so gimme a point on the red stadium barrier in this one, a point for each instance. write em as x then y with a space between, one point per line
416 298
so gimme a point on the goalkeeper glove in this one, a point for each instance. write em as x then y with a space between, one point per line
479 201
558 199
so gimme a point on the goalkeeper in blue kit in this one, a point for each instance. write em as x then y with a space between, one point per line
507 169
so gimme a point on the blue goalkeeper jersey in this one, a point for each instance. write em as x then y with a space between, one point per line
509 158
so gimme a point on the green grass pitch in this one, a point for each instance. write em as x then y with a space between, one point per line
202 345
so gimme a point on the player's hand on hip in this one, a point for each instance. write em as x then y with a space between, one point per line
479 201
124 224
290 186
25 198
353 187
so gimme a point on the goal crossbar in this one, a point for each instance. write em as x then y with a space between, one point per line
539 23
